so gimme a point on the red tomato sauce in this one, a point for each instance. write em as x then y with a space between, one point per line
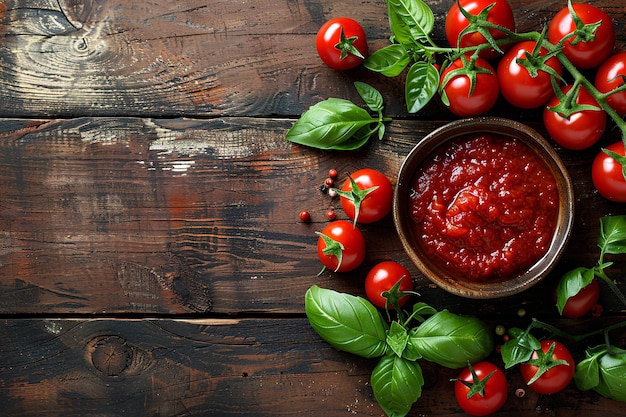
485 205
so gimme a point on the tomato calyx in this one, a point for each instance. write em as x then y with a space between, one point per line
544 362
346 45
568 102
585 32
469 69
333 248
537 61
356 195
393 296
479 23
477 386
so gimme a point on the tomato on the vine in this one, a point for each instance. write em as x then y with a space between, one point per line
610 76
341 246
469 90
500 14
481 389
549 370
579 130
366 196
382 277
341 43
516 83
595 44
608 174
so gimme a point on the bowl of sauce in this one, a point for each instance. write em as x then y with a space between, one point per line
484 207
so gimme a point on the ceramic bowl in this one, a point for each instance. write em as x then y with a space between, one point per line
430 266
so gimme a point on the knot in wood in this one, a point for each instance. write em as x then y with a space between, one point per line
111 355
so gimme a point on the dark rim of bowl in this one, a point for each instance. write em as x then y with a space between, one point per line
560 239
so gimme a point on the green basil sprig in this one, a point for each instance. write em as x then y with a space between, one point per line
338 124
603 371
397 384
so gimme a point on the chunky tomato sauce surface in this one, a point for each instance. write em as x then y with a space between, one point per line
485 205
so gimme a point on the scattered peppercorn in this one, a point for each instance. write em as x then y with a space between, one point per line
332 173
330 214
305 216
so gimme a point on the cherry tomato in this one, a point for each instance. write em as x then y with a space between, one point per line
582 303
584 54
608 176
516 84
554 379
501 14
372 198
611 75
341 246
382 277
582 128
457 89
341 43
487 400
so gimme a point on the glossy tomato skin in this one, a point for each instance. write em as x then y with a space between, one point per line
554 379
501 14
329 35
457 89
583 55
496 390
353 242
517 86
376 204
609 77
382 277
581 129
607 174
582 303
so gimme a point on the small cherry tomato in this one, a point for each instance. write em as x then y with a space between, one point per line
305 216
608 174
366 196
582 128
481 389
382 277
555 376
586 53
341 43
583 302
461 100
611 75
341 246
501 14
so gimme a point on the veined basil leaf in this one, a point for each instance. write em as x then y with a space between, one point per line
420 86
571 283
397 338
397 384
410 20
603 372
346 322
612 237
370 96
451 340
390 61
519 348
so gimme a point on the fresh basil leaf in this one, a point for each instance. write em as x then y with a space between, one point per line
410 20
452 340
389 61
571 283
519 348
397 384
346 322
397 338
422 309
330 124
604 372
612 237
420 86
587 374
370 96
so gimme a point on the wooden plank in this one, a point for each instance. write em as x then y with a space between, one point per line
154 216
247 367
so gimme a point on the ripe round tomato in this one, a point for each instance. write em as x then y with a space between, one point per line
382 277
554 379
341 43
341 246
517 86
584 54
494 392
608 176
582 303
457 89
609 77
370 200
581 129
501 14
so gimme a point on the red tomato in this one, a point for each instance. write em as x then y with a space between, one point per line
582 303
494 392
457 89
554 379
341 43
382 277
611 75
517 86
501 15
372 198
584 54
581 129
608 175
341 246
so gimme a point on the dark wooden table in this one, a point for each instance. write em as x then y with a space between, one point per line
151 258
